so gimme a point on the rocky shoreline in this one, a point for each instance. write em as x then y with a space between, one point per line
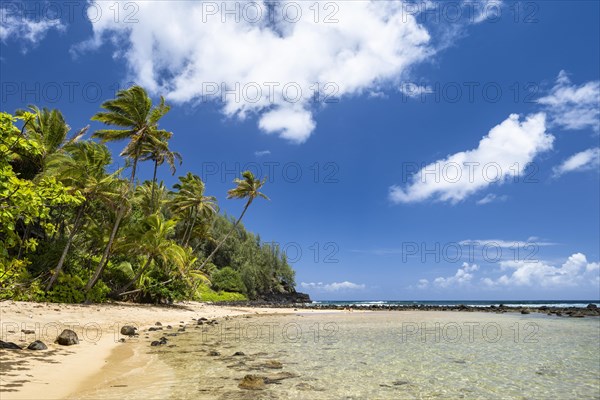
576 312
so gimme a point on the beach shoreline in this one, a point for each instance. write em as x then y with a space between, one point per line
60 371
106 358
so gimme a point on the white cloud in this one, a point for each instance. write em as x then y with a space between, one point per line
463 276
182 50
332 287
571 106
15 26
532 241
502 154
261 153
491 198
585 160
423 283
574 272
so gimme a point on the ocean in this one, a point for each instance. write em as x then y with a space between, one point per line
470 303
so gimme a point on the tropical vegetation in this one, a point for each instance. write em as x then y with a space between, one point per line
73 229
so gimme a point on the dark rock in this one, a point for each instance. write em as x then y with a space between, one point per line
155 328
399 383
9 346
169 327
37 345
27 331
525 312
252 382
202 319
122 340
214 353
67 338
128 330
239 353
158 324
155 343
591 306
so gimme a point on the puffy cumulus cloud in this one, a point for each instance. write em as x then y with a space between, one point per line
267 58
423 283
571 106
16 26
464 275
573 272
332 287
583 161
501 155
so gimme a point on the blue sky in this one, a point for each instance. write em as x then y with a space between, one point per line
439 129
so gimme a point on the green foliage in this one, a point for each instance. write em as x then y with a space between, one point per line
205 293
69 289
227 279
73 229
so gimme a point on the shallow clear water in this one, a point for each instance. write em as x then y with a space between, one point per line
387 355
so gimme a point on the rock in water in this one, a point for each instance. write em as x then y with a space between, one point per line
9 346
67 338
272 364
591 306
252 382
37 345
128 330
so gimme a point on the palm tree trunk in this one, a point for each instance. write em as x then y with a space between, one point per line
225 238
111 239
136 277
187 241
63 256
154 184
106 254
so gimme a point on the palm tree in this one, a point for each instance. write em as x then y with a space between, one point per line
152 240
190 199
132 110
247 188
48 129
159 152
81 166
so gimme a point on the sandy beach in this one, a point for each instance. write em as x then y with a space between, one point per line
62 371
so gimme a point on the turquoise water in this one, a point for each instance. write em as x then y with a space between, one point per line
382 355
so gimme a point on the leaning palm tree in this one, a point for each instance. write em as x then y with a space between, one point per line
247 188
133 112
189 200
81 166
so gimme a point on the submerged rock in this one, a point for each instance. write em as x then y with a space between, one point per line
272 364
252 382
9 346
274 378
67 338
37 345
